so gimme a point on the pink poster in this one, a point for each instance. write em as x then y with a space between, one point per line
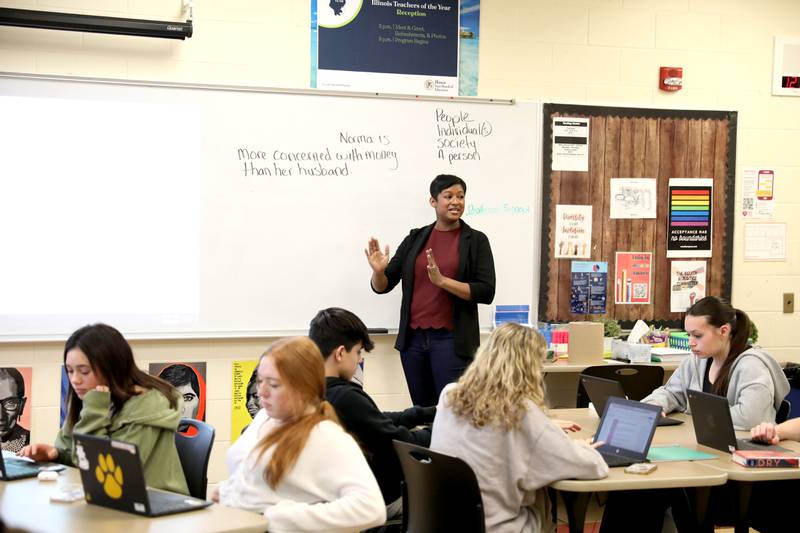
632 277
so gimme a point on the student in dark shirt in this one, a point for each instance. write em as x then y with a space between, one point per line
341 336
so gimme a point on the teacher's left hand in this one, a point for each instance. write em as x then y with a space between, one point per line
434 275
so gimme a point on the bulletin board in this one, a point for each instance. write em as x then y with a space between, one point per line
659 144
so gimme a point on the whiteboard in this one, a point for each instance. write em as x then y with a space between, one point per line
185 211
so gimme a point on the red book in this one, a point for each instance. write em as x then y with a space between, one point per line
766 459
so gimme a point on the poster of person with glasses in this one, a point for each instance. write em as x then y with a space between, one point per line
15 415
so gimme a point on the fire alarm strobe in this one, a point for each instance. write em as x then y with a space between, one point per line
671 79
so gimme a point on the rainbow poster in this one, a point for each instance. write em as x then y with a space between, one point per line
689 230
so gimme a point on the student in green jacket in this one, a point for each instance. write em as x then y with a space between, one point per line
111 397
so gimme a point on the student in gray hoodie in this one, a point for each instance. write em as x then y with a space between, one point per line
723 363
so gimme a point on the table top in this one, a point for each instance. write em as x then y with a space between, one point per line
563 365
26 503
673 473
668 474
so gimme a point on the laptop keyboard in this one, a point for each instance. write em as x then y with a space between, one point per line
14 470
617 460
747 444
169 502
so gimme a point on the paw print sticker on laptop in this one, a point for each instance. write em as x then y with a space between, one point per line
109 475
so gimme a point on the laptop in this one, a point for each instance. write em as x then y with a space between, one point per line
112 476
17 468
601 389
626 429
713 426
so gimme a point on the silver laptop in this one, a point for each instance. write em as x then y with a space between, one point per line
626 429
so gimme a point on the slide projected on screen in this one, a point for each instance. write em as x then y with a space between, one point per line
89 228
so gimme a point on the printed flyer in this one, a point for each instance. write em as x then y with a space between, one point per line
573 231
687 284
244 403
589 287
632 277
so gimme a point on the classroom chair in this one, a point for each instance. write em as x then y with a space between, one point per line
194 441
783 411
637 380
441 492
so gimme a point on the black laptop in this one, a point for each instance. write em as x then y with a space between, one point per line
626 429
600 390
112 476
713 426
12 469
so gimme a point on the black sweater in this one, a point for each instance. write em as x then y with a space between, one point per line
374 430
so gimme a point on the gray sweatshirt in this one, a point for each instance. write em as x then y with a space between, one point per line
756 388
513 467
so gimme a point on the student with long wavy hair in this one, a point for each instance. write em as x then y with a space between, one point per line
294 463
724 363
111 397
495 419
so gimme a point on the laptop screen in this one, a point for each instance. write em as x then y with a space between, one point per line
627 425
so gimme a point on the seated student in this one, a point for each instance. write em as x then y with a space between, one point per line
341 336
111 397
724 364
295 463
494 418
771 500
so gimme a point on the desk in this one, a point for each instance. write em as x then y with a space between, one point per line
680 474
26 504
561 378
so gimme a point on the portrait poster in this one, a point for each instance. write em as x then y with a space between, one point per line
190 380
244 394
689 227
632 275
394 47
15 397
573 231
589 287
687 284
632 198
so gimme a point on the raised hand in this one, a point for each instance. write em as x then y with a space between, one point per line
434 274
377 260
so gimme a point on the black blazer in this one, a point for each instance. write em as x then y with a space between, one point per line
475 266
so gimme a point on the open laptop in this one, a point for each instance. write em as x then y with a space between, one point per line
17 468
600 390
713 426
626 429
112 476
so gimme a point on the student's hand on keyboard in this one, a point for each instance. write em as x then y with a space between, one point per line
39 452
567 425
765 432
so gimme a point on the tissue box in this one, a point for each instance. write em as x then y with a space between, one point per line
634 353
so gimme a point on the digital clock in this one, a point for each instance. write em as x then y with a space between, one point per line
790 82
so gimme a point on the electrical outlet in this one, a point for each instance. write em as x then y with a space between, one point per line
788 302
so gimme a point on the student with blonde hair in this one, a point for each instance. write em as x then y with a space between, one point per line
294 463
495 419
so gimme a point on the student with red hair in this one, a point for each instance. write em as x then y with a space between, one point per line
295 463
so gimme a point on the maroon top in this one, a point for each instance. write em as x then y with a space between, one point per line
431 307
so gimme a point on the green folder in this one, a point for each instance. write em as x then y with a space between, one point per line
676 453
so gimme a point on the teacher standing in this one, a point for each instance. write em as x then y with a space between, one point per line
447 269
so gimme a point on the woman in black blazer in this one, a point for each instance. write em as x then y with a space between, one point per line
447 269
